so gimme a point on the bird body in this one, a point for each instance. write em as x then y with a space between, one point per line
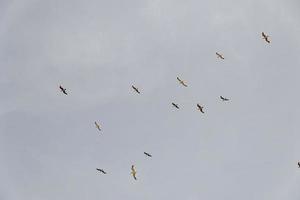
136 89
133 172
220 55
101 170
147 154
298 164
265 37
63 90
181 82
175 105
224 99
200 108
97 126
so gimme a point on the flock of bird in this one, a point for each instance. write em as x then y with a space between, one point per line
183 83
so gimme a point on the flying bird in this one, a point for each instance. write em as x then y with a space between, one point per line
133 172
175 105
147 154
200 108
136 89
181 82
220 56
298 164
265 37
101 170
97 126
63 90
224 99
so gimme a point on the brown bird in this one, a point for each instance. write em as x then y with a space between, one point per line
97 126
133 172
224 99
101 170
136 89
175 105
220 56
147 154
181 82
63 90
200 108
265 37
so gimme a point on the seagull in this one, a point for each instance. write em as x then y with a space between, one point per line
133 172
298 164
265 37
147 154
63 90
175 105
136 89
181 82
220 56
224 99
101 170
200 108
97 126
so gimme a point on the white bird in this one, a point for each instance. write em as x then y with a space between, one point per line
181 82
133 172
220 55
265 37
97 126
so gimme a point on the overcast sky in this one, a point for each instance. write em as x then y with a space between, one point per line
247 148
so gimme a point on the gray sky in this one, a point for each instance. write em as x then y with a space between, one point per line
242 149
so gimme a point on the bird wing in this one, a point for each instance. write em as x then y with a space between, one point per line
178 79
183 83
147 154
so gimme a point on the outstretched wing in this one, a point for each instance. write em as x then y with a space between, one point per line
175 105
147 154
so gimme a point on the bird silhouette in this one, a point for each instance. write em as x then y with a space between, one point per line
298 164
181 82
97 126
147 154
136 89
200 108
101 170
63 90
133 172
224 99
265 37
175 105
220 55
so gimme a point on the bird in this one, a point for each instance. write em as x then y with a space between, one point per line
298 164
181 82
63 90
200 108
220 56
101 170
265 37
147 154
224 99
97 126
175 105
133 172
136 89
